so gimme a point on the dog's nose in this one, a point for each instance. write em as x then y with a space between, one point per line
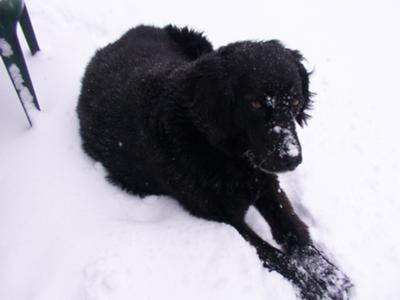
290 162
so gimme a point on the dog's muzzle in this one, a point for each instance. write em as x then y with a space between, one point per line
287 149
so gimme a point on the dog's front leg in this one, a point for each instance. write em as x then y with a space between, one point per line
335 283
293 235
286 265
287 228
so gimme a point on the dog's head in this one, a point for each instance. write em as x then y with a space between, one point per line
248 97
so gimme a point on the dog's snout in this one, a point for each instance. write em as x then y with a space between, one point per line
290 162
287 142
287 150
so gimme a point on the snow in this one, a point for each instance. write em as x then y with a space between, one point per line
290 147
66 233
19 82
270 101
5 48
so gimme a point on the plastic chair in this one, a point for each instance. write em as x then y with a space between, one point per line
12 12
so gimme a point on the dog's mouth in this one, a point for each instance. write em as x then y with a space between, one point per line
264 170
249 155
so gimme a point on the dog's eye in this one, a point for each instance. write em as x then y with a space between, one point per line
295 102
256 104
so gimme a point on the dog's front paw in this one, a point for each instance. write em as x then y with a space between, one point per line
308 287
334 283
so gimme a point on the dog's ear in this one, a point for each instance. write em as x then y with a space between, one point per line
212 100
303 116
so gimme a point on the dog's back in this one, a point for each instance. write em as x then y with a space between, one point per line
120 89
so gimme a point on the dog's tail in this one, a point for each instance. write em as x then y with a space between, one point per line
193 43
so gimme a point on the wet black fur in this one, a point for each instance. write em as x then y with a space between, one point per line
163 112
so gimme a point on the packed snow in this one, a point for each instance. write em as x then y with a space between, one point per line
5 48
19 82
66 233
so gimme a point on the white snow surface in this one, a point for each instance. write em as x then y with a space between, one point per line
66 233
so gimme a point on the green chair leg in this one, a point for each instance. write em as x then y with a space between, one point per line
18 71
9 62
27 29
13 12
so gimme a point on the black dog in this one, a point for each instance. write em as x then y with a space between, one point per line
167 114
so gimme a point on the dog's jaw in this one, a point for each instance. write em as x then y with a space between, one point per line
249 155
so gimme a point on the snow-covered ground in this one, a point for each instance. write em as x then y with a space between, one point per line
65 233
